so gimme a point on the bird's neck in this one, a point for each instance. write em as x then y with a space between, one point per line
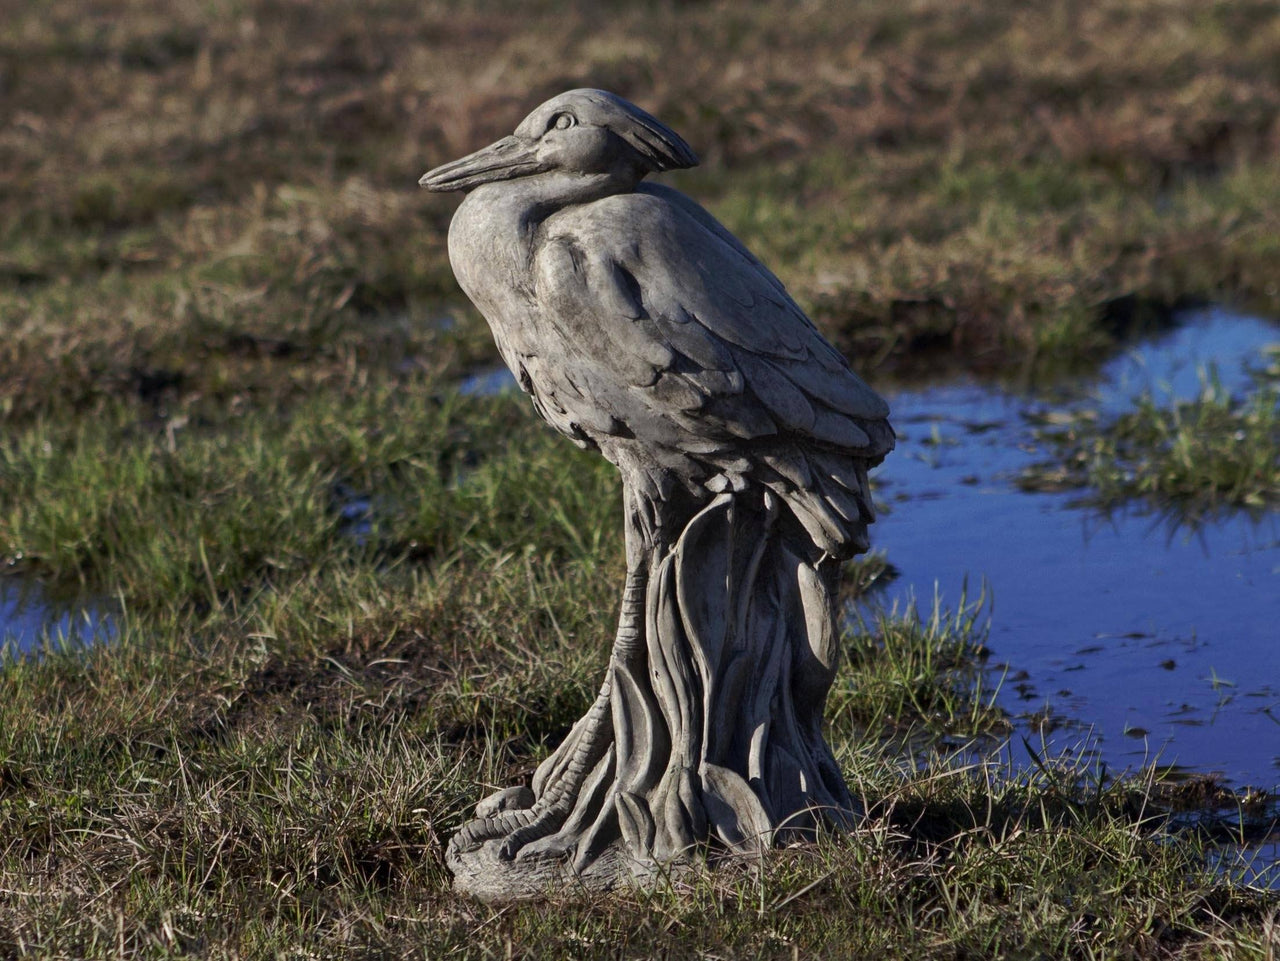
557 189
494 234
527 202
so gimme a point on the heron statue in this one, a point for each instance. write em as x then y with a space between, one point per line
644 330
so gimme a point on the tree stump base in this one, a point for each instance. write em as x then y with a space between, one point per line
705 738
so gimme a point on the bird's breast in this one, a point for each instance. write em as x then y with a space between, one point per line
490 252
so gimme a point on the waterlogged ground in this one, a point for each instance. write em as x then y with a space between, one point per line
1128 636
29 620
1154 641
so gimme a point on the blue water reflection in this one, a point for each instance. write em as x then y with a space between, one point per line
29 620
1161 642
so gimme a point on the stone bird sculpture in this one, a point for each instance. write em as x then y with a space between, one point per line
644 330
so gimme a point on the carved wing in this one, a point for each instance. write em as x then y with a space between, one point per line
685 325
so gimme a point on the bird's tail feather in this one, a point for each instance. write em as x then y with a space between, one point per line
829 495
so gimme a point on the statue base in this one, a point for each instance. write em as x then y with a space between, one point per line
486 876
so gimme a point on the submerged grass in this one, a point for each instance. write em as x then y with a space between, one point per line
1189 457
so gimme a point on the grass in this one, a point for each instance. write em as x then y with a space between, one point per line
1013 869
206 511
923 678
291 720
1189 457
347 600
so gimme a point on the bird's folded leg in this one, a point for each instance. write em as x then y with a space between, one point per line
560 794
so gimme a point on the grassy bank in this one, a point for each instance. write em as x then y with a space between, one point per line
346 599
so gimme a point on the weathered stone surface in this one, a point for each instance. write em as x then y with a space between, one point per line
644 330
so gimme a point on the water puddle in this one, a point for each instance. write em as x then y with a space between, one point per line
1156 644
488 382
28 619
355 510
1253 865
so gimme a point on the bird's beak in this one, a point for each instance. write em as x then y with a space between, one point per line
509 157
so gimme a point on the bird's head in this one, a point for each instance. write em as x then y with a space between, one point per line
581 132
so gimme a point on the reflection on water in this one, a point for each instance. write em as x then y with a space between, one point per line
1254 865
1162 643
28 619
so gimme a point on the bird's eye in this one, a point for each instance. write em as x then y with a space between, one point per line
564 121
